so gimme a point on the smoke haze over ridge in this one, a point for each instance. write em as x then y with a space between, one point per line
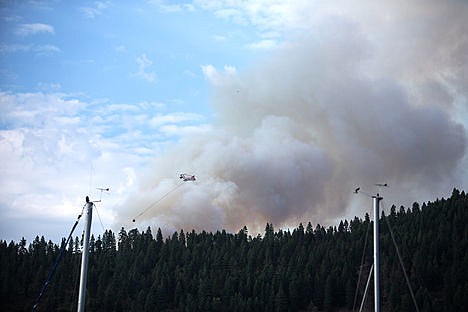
352 96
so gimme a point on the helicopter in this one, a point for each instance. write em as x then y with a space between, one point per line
187 177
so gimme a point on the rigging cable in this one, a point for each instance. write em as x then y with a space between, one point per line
102 225
367 287
362 264
52 271
100 201
401 263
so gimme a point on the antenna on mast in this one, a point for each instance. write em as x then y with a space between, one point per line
102 190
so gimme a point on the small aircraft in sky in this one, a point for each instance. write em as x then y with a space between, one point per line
187 177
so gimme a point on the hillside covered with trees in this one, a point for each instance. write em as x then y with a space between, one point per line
311 268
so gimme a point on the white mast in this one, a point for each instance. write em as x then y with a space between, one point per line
376 200
84 256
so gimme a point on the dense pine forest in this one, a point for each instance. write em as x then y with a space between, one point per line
310 268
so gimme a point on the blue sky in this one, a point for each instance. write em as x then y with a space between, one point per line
122 52
91 88
276 106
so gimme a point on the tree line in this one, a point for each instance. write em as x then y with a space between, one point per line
311 268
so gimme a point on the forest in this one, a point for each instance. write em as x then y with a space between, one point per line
309 268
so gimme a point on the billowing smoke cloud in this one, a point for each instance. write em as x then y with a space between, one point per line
350 102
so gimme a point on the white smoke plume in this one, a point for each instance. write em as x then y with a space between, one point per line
357 96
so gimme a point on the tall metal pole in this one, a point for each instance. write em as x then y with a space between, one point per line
84 256
376 200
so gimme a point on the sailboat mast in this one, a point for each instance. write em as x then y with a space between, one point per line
85 255
376 203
